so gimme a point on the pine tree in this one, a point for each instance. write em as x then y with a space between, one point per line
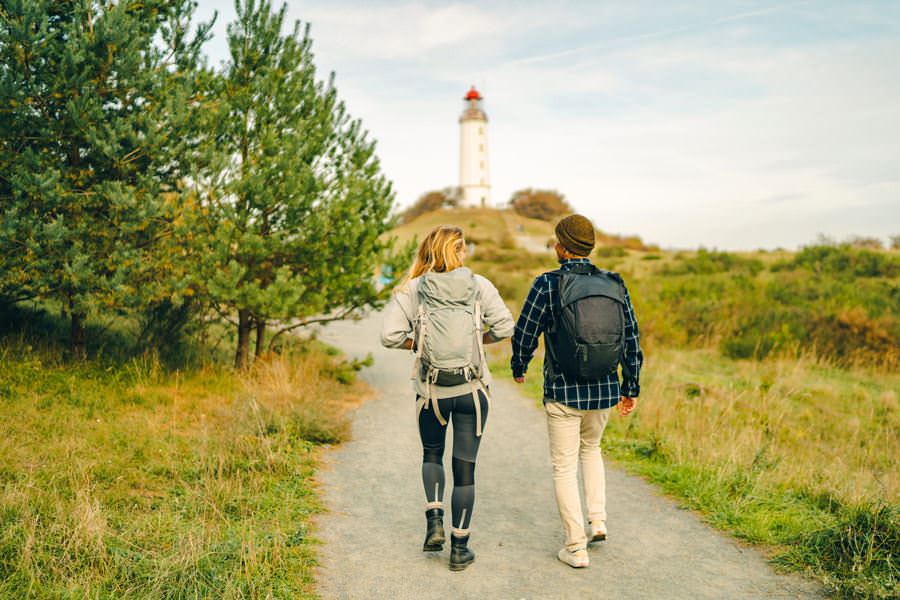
95 99
295 202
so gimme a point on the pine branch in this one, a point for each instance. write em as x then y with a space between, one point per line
9 301
339 317
222 314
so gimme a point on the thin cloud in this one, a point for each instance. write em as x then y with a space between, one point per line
617 43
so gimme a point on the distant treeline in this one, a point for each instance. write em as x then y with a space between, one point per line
545 205
136 180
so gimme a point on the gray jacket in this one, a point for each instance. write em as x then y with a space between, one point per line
400 314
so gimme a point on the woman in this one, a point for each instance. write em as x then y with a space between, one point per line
440 311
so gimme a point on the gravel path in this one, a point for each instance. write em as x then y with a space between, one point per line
372 534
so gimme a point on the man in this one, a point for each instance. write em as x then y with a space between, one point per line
578 407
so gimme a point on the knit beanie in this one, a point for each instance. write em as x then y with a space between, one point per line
576 234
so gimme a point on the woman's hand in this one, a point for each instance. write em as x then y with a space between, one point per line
408 344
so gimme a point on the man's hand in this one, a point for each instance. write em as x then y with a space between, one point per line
626 405
520 379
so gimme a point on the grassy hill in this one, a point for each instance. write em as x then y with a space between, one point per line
769 394
499 226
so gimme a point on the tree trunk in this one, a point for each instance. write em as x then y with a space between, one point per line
260 336
77 334
243 344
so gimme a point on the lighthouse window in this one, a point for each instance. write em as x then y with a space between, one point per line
481 147
481 164
481 131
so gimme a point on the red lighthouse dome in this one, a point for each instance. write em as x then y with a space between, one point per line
472 109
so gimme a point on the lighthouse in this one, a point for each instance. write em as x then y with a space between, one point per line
473 157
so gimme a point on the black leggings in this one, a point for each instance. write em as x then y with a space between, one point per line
460 410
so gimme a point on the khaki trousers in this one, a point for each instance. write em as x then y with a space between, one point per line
575 435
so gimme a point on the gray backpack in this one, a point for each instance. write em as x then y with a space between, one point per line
448 333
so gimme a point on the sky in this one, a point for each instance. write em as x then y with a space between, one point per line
724 124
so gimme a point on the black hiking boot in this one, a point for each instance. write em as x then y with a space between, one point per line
434 535
460 555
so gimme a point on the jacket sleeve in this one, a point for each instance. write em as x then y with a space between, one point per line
634 356
495 313
397 325
529 328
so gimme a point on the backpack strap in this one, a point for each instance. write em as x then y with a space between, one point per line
419 341
476 386
552 311
432 398
475 381
479 335
420 403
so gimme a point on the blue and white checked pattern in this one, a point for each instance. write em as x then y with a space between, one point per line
588 395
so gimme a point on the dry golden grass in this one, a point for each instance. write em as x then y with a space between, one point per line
800 423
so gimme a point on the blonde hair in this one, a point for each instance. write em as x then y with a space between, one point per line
440 251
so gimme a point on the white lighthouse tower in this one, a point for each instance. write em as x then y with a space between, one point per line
473 157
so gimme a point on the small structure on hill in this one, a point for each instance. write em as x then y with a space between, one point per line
473 156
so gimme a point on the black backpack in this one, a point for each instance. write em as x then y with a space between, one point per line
586 337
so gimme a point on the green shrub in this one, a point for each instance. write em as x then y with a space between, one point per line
764 331
856 556
843 259
846 318
707 262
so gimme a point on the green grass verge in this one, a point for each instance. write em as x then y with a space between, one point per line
130 481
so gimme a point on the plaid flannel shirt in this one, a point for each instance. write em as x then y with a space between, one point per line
586 395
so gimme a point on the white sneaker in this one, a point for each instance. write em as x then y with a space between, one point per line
577 559
598 531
